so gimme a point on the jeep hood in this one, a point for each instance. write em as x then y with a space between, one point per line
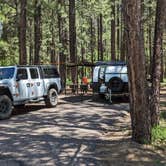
3 83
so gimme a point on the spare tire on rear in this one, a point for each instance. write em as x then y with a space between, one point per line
115 84
5 107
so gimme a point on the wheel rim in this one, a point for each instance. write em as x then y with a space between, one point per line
4 107
53 97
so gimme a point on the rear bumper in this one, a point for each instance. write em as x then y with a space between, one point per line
96 88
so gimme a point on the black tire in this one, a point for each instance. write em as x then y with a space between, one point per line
115 84
5 107
52 98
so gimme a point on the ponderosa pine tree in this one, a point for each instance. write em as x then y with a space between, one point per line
139 104
113 32
37 31
62 40
156 62
72 39
22 33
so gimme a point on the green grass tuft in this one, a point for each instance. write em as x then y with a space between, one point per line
159 135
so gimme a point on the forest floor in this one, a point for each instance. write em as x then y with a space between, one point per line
80 131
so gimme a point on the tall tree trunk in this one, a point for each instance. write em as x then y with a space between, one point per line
150 42
139 104
92 39
22 34
101 37
30 43
118 31
123 52
98 38
52 58
63 41
156 63
37 31
113 53
162 63
72 34
92 42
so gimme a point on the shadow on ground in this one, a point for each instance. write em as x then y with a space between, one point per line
83 132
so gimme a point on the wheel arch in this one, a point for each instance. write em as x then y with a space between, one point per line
6 91
53 86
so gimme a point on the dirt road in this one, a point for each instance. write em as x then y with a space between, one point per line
79 132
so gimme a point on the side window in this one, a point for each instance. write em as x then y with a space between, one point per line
50 73
34 73
101 74
22 74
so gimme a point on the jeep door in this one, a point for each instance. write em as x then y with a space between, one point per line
23 84
36 83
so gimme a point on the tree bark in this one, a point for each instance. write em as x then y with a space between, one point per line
101 37
139 104
30 43
118 31
22 34
92 39
37 32
63 41
52 58
162 63
98 38
113 32
72 36
150 42
156 62
123 52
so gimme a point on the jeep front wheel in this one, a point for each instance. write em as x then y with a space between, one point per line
52 98
5 107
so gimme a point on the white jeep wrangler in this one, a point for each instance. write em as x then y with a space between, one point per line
23 84
110 77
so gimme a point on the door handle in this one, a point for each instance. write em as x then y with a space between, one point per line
28 85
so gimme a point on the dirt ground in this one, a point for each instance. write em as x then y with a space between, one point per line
80 131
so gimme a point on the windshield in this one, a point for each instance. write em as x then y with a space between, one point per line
6 73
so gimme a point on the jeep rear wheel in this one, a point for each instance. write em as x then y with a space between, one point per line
115 84
52 98
5 107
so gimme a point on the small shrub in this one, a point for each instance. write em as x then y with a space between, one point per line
159 135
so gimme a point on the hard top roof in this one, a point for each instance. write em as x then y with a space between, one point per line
35 65
111 63
28 66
